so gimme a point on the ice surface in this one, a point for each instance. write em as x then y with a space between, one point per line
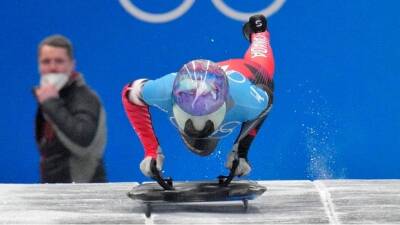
285 202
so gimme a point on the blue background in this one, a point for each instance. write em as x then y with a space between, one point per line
336 112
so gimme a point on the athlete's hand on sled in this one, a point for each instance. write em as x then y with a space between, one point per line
145 165
243 167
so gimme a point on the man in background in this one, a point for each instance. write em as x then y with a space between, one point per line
70 121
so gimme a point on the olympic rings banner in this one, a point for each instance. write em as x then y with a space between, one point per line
224 8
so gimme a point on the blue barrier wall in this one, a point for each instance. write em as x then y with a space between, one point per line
336 112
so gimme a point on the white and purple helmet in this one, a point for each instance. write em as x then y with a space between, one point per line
200 92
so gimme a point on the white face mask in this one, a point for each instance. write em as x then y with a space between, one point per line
58 80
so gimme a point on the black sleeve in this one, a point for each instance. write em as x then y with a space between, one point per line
250 128
247 134
79 121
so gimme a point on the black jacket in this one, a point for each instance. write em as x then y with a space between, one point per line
71 135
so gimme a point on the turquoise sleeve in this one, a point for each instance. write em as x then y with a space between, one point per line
158 93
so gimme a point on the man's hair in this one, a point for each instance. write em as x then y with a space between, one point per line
58 41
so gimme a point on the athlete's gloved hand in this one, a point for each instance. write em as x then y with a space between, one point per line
145 165
243 168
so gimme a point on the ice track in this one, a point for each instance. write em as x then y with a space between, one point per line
285 202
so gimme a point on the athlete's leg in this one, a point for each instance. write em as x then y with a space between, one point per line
258 63
260 50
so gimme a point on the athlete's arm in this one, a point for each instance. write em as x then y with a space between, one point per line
137 111
137 97
247 134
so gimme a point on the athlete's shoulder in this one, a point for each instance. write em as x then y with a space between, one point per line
158 92
248 99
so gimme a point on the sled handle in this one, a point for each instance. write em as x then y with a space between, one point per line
226 180
164 183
